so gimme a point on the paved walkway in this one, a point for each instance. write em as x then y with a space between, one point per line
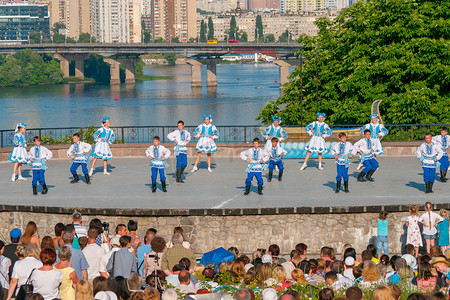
398 181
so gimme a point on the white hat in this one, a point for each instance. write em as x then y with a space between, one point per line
266 259
115 240
248 266
349 261
410 261
269 294
105 295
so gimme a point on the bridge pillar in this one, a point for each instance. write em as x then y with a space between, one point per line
196 69
284 71
64 63
211 79
115 70
129 63
79 67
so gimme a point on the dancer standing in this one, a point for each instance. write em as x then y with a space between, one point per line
181 138
377 132
276 154
256 157
443 140
19 153
78 152
103 137
158 155
319 130
342 152
206 133
38 158
274 131
366 148
429 153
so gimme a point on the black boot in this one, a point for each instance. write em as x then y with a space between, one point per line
75 178
361 176
178 175
443 173
44 189
338 187
34 190
430 184
164 186
154 188
260 188
247 190
369 175
346 187
270 177
88 180
181 175
280 176
427 187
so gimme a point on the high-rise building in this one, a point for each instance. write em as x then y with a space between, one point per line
74 14
260 5
310 5
18 20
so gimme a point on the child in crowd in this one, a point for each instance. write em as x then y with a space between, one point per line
429 221
78 153
276 154
103 137
382 232
342 152
443 140
181 139
442 229
256 157
19 153
158 154
413 235
429 153
366 148
38 157
206 133
274 131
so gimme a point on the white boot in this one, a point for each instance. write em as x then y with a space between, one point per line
105 172
360 165
194 169
304 166
91 171
21 178
320 167
13 177
209 170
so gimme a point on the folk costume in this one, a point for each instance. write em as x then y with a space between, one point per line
39 156
158 155
377 131
318 132
365 147
103 137
180 138
19 153
342 151
274 130
80 150
444 142
429 155
205 143
257 159
276 160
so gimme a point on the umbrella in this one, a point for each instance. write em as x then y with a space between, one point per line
217 256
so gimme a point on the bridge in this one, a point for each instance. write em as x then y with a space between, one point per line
128 54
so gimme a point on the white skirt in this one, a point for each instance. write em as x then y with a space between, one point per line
102 150
316 144
378 148
20 155
206 145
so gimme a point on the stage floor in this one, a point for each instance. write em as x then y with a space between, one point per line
397 181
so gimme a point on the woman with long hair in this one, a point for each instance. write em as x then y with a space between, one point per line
119 286
425 280
47 243
83 291
299 277
150 264
383 293
371 275
29 236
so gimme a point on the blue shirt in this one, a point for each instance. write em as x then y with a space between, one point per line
79 262
141 251
382 228
124 265
442 227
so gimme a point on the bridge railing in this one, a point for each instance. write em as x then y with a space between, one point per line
228 134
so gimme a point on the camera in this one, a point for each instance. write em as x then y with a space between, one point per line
155 256
105 226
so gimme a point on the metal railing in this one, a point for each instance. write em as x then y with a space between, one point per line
228 134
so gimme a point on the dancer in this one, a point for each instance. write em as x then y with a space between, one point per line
377 132
276 154
443 140
274 131
365 148
158 154
256 157
38 159
78 152
429 153
317 143
342 152
19 153
429 219
206 133
103 137
181 138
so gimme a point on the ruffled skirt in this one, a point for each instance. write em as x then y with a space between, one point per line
206 145
101 150
316 144
20 155
378 148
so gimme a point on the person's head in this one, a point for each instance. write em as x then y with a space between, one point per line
30 230
76 138
47 242
337 266
186 263
132 225
207 119
383 293
367 134
326 294
20 251
35 296
184 277
349 252
77 218
443 213
37 141
279 274
305 266
440 264
396 291
32 250
151 293
83 242
374 118
326 252
342 137
265 272
100 284
149 235
48 257
370 272
413 209
424 271
274 142
330 277
106 121
158 244
383 215
353 293
180 125
134 281
428 137
405 272
67 237
438 296
177 239
234 250
15 235
59 229
274 250
384 259
366 255
125 241
299 276
399 263
242 294
444 131
238 268
92 235
70 228
83 290
169 294
198 269
428 206
121 230
373 249
435 251
349 262
409 249
64 253
118 285
156 141
382 268
256 143
96 223
301 248
357 270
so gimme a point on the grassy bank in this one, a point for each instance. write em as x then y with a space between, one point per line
152 77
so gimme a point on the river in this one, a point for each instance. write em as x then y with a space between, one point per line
235 101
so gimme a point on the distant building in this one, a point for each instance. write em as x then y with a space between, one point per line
18 20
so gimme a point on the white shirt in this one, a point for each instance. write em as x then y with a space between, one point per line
429 154
81 155
44 153
47 283
425 218
176 136
342 155
275 153
443 141
362 146
93 254
185 244
349 274
80 230
161 153
22 269
105 258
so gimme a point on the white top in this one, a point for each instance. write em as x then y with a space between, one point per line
362 146
80 230
163 152
5 263
349 274
47 283
93 254
275 155
22 269
425 218
185 244
44 153
443 141
175 136
342 150
261 155
105 258
83 148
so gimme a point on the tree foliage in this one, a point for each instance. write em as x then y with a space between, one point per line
259 32
233 32
210 29
394 50
203 32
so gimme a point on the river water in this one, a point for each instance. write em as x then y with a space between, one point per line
147 103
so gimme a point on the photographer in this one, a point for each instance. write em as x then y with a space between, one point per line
151 262
102 239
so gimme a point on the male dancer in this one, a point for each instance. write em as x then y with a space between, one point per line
274 131
38 157
276 154
78 152
378 131
158 154
181 139
255 157
444 141
103 137
365 147
429 153
342 151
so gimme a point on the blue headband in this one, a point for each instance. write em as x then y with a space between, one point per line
205 116
321 115
276 119
374 116
106 119
21 125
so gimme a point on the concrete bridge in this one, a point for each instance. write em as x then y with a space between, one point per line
128 54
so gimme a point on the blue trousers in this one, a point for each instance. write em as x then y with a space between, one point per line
429 174
370 164
74 167
181 161
342 172
155 175
272 165
38 176
444 163
250 176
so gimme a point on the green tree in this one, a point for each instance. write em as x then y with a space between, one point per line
259 28
203 33
285 36
86 38
160 40
171 58
243 36
210 29
175 40
57 26
233 31
270 38
392 50
147 36
95 67
2 59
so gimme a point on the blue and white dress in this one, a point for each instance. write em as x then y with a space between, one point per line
318 131
272 131
103 138
377 131
19 153
206 144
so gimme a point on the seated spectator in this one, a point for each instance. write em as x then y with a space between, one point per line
197 271
83 291
383 293
373 251
173 254
349 265
302 251
169 294
409 257
353 293
441 265
314 271
274 251
396 291
393 278
326 253
46 280
151 294
137 295
326 294
184 287
279 274
425 280
438 296
172 280
257 255
382 269
235 251
208 274
366 255
184 243
134 282
160 278
299 277
370 275
124 261
305 266
337 267
435 251
242 294
289 266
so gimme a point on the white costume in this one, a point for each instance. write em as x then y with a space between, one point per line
377 132
19 153
319 131
39 155
342 150
103 138
80 150
205 143
274 131
181 137
275 153
158 154
443 141
365 148
258 158
429 155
